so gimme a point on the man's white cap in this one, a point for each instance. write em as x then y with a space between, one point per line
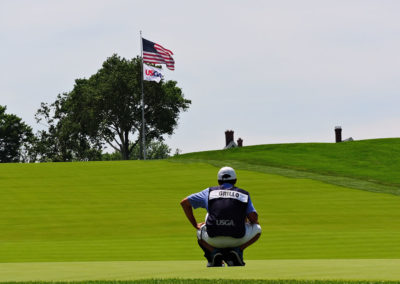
226 173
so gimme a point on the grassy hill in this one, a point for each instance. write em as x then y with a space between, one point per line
108 211
122 220
356 164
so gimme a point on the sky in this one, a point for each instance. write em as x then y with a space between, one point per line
273 71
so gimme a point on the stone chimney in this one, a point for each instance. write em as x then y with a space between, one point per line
240 142
338 134
228 137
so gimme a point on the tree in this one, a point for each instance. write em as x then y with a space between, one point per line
63 141
106 108
15 136
155 150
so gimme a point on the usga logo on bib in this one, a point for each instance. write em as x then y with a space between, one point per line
225 223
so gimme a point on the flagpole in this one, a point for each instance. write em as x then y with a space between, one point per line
143 121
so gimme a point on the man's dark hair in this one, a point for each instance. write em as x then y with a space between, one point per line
232 181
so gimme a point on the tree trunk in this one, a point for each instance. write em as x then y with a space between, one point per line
140 146
124 145
125 155
125 151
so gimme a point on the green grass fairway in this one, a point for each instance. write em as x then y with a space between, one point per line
376 160
122 220
332 269
114 211
213 281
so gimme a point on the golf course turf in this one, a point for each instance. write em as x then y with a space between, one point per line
57 217
305 270
215 281
375 160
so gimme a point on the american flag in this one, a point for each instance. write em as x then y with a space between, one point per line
156 54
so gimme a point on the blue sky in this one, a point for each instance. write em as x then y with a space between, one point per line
272 71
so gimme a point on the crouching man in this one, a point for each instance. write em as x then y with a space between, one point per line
231 222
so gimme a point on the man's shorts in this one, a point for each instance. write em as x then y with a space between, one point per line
229 242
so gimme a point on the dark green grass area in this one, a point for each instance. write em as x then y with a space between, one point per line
368 164
212 281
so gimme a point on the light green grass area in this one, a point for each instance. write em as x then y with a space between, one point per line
211 281
114 211
333 269
122 220
376 161
214 281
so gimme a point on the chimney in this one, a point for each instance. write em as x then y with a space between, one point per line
338 134
228 137
240 142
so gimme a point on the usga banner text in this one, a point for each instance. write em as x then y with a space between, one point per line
152 73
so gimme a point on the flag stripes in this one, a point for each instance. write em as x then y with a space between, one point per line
156 54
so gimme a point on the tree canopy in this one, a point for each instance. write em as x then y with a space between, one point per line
14 137
106 109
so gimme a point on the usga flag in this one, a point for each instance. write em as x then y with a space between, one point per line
152 73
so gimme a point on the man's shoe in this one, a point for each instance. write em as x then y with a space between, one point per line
236 257
216 259
227 256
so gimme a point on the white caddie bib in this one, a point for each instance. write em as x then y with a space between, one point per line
229 194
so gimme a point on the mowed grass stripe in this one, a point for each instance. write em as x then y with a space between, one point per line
113 211
375 160
316 269
214 281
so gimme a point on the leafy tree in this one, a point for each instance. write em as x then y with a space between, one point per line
106 109
177 152
63 141
155 150
15 137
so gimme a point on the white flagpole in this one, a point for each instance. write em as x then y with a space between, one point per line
143 121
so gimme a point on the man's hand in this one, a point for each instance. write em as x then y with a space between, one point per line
199 225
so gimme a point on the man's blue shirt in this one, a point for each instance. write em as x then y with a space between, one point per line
200 199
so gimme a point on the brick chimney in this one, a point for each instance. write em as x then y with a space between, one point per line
338 134
228 137
240 142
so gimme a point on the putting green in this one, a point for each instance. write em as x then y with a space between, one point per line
311 269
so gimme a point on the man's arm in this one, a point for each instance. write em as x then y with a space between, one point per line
251 212
187 208
253 217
